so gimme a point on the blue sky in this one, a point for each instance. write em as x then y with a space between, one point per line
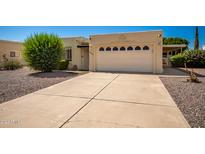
19 33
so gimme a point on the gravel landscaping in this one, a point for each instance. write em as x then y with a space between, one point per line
24 81
189 97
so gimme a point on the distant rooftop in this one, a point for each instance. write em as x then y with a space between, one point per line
10 41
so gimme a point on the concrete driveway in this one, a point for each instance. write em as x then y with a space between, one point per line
96 100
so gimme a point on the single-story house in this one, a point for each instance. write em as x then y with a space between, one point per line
121 52
11 50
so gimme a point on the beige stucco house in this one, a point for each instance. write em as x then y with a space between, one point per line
126 52
121 52
11 50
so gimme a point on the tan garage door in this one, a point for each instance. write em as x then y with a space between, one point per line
135 61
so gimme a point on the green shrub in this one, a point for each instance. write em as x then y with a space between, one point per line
195 58
175 40
63 65
178 60
43 51
12 65
192 58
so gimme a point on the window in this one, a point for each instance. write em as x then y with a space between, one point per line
108 49
12 54
101 49
122 49
115 49
69 54
130 48
145 48
138 48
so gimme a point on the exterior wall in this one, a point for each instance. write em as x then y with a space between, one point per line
7 46
76 52
153 39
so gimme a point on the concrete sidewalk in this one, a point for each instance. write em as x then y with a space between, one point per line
96 100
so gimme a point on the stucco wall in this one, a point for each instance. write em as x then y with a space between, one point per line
76 52
7 46
153 39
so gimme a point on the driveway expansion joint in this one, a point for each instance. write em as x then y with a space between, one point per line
134 103
63 96
67 121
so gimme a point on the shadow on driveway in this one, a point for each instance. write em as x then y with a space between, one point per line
55 74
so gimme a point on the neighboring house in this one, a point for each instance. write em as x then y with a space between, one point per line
127 52
10 50
203 47
171 50
122 52
76 51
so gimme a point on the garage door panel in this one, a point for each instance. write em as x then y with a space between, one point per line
125 61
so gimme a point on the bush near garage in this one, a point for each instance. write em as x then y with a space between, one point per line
63 64
178 60
193 59
43 51
12 65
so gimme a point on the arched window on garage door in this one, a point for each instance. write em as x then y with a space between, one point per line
145 47
115 49
108 49
130 48
137 48
102 49
122 49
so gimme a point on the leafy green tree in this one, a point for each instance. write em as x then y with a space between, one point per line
175 40
43 51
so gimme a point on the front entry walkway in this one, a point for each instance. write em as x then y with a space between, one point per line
96 100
